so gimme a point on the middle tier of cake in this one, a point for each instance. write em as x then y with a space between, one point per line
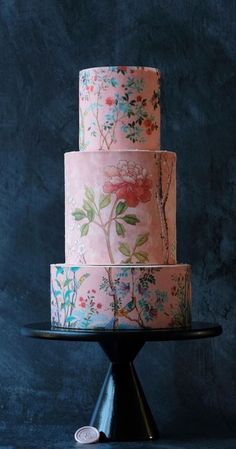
120 207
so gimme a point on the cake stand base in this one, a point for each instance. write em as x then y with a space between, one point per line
122 412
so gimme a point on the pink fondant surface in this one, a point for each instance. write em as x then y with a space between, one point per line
119 108
120 207
120 296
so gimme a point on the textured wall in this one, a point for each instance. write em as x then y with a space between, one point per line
191 386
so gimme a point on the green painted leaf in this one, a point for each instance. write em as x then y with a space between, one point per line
121 207
141 256
124 249
91 214
130 306
104 200
87 206
84 229
120 229
89 193
68 293
57 292
70 318
131 219
114 82
141 239
127 260
78 214
58 283
67 282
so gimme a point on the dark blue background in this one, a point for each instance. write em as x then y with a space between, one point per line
48 389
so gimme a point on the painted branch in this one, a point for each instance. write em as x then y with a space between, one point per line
113 290
161 209
168 185
140 320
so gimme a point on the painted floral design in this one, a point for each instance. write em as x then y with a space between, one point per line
126 186
114 102
120 297
71 309
129 181
143 303
181 289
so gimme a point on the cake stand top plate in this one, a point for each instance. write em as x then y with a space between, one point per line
195 331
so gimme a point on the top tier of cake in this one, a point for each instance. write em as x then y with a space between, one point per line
119 108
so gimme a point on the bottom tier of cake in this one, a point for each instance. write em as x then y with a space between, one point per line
120 296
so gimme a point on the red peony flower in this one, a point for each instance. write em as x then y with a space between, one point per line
148 131
139 98
147 122
93 291
99 305
109 101
129 181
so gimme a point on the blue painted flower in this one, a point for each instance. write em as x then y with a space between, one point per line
74 269
60 270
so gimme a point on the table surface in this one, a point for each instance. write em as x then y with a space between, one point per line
63 439
197 330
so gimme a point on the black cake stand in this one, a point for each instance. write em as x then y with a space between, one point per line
122 412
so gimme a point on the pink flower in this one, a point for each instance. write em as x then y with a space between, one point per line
93 291
129 181
109 101
90 88
83 304
99 305
81 298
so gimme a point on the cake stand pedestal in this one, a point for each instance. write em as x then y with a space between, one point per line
122 412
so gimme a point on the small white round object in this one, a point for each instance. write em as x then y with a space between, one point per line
86 435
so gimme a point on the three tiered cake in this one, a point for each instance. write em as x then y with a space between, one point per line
120 212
